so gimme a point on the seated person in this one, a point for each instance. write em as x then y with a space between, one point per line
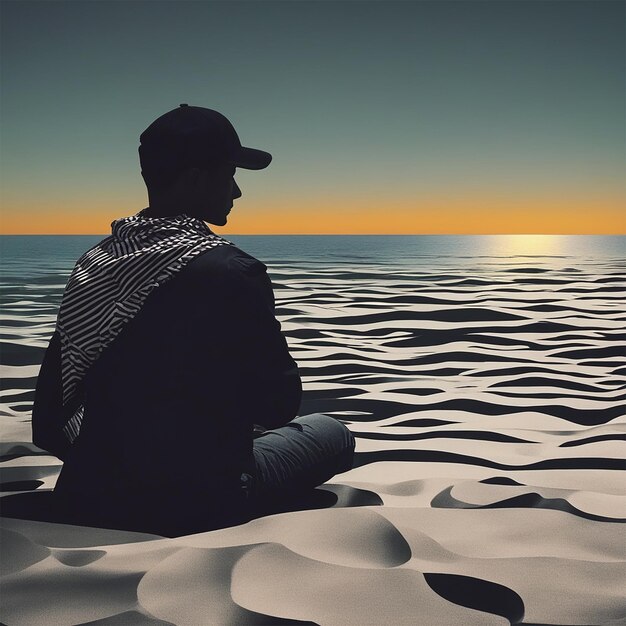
167 353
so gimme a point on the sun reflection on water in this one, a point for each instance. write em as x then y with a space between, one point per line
528 245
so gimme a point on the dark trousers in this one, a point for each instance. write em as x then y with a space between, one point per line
296 457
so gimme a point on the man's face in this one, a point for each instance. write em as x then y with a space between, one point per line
212 192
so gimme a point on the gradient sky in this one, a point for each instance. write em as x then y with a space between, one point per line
383 117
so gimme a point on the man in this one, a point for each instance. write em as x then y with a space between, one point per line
167 352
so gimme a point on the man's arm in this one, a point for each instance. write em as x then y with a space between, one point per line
47 418
270 389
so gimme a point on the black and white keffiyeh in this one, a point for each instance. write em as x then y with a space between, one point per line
110 283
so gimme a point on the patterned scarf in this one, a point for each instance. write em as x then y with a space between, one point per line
109 285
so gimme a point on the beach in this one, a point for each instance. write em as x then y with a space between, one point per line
484 380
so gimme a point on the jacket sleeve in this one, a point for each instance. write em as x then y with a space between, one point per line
269 387
47 416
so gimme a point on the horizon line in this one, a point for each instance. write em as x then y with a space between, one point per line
525 234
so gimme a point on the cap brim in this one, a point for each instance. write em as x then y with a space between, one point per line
252 159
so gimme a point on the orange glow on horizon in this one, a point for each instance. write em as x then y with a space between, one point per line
366 216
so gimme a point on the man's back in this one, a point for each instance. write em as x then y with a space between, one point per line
169 405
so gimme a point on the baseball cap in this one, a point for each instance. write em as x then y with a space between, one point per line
190 135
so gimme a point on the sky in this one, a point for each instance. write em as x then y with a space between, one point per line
435 117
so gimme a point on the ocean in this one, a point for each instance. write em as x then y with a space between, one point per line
498 323
444 327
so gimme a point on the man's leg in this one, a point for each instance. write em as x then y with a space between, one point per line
300 455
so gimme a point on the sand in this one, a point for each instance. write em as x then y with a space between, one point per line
340 565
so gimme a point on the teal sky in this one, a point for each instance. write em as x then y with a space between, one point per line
356 100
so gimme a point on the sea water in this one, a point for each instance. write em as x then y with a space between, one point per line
424 345
60 251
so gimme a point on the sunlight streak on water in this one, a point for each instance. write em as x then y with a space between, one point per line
528 245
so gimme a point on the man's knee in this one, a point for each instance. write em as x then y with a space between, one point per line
335 435
304 453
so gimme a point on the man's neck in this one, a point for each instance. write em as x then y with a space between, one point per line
166 204
159 211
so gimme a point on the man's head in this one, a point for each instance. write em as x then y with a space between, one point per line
188 158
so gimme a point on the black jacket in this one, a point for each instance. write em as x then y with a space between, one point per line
170 404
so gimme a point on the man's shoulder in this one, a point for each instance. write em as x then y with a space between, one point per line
226 261
228 273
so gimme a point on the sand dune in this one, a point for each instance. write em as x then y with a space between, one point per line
487 398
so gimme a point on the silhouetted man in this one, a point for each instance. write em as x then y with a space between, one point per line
167 352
